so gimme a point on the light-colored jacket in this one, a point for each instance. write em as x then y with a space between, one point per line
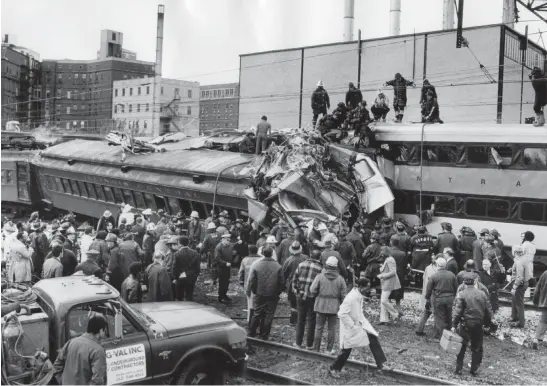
388 275
353 323
521 272
429 271
20 269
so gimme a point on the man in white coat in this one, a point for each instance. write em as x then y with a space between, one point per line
355 330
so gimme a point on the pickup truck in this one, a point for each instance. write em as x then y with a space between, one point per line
174 342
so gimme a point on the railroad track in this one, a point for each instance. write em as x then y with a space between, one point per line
504 298
309 367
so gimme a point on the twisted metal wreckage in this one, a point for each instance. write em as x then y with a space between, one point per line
303 177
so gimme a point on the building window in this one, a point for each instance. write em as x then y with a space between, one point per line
130 107
68 109
203 94
116 109
76 76
215 93
123 108
116 92
123 91
130 91
176 92
138 108
189 110
161 90
145 124
139 91
147 107
147 90
113 36
60 76
190 94
68 94
227 105
84 76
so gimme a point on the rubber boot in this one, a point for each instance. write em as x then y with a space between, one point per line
540 120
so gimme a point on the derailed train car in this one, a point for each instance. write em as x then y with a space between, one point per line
19 190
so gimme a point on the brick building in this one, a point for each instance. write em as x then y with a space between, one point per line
219 106
21 91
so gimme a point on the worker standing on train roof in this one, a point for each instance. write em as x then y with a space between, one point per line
539 83
399 95
263 133
354 96
248 143
320 102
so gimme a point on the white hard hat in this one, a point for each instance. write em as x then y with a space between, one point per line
147 212
194 214
320 83
126 208
321 227
151 227
271 239
211 225
332 261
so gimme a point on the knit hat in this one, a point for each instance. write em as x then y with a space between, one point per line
332 261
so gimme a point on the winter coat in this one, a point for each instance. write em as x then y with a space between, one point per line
320 101
148 247
539 83
69 261
447 240
372 260
101 247
329 290
401 261
354 97
158 283
425 89
290 266
245 268
402 241
399 90
540 293
443 283
347 252
381 101
131 253
452 266
521 273
471 304
354 326
478 252
283 252
357 240
89 267
265 278
131 291
20 269
187 261
194 231
247 145
138 231
388 275
422 246
341 265
101 225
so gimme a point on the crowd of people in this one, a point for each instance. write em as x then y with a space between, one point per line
326 269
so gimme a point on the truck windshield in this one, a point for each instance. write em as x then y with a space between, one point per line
144 319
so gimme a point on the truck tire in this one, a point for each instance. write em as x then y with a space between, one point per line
199 372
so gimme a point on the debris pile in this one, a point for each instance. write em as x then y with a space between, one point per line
308 177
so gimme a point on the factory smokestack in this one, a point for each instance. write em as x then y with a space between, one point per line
448 14
159 40
395 17
349 13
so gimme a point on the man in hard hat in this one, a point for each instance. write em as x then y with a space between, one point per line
320 102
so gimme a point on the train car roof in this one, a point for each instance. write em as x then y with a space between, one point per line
462 133
18 155
177 157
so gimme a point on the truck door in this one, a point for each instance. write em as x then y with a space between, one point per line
128 360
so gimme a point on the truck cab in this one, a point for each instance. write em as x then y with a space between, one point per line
178 342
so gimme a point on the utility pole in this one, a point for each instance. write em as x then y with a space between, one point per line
524 49
157 70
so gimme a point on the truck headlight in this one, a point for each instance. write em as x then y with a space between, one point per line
237 338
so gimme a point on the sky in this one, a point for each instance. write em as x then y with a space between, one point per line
204 38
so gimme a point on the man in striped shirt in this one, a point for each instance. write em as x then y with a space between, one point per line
302 280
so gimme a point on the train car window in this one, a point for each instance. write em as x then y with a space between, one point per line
498 209
74 186
141 203
22 173
9 177
108 194
22 190
405 154
128 197
475 207
118 195
443 204
160 203
149 201
505 152
100 192
200 208
66 186
91 190
174 206
404 202
535 158
532 211
447 154
83 190
477 155
185 207
59 185
4 180
208 209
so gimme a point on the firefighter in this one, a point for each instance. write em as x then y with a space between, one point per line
539 83
422 247
353 96
466 240
320 102
399 95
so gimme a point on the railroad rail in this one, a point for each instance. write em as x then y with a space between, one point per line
391 376
269 378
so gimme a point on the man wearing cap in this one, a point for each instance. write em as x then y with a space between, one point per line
263 131
247 144
329 290
53 266
99 244
402 237
443 286
117 271
244 270
90 266
289 269
283 250
426 311
471 311
390 282
158 281
186 269
329 251
372 260
451 263
320 102
479 247
520 275
40 246
466 241
447 239
302 280
194 229
131 287
493 253
106 218
422 247
138 231
265 284
223 259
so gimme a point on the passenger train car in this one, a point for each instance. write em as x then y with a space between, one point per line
18 189
483 176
